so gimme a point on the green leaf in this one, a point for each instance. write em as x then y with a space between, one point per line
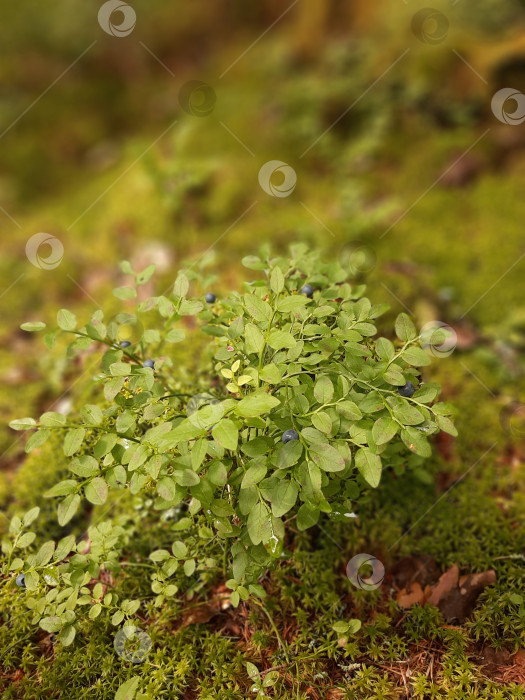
44 554
73 441
279 339
322 422
33 326
92 414
257 308
259 524
405 329
253 475
96 491
30 516
167 488
327 457
384 430
64 547
307 517
385 349
226 433
85 466
52 419
287 454
446 425
324 390
270 374
349 410
125 293
67 508
253 339
37 439
256 404
416 442
179 549
66 320
283 497
181 285
292 303
369 466
51 624
277 280
128 690
416 357
22 424
63 488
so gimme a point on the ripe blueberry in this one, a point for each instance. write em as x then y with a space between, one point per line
149 363
125 344
406 390
289 435
21 580
308 290
210 298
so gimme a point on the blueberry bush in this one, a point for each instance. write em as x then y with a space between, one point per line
296 410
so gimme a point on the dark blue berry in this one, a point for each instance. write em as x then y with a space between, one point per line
21 580
289 435
149 363
308 290
210 298
407 390
125 344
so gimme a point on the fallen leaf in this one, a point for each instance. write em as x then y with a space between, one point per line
446 583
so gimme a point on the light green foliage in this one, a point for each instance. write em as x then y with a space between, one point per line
284 362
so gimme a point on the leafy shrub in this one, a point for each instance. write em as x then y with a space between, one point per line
294 356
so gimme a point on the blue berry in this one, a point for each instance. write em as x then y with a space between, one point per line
125 344
407 390
210 298
289 435
149 363
308 290
21 580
